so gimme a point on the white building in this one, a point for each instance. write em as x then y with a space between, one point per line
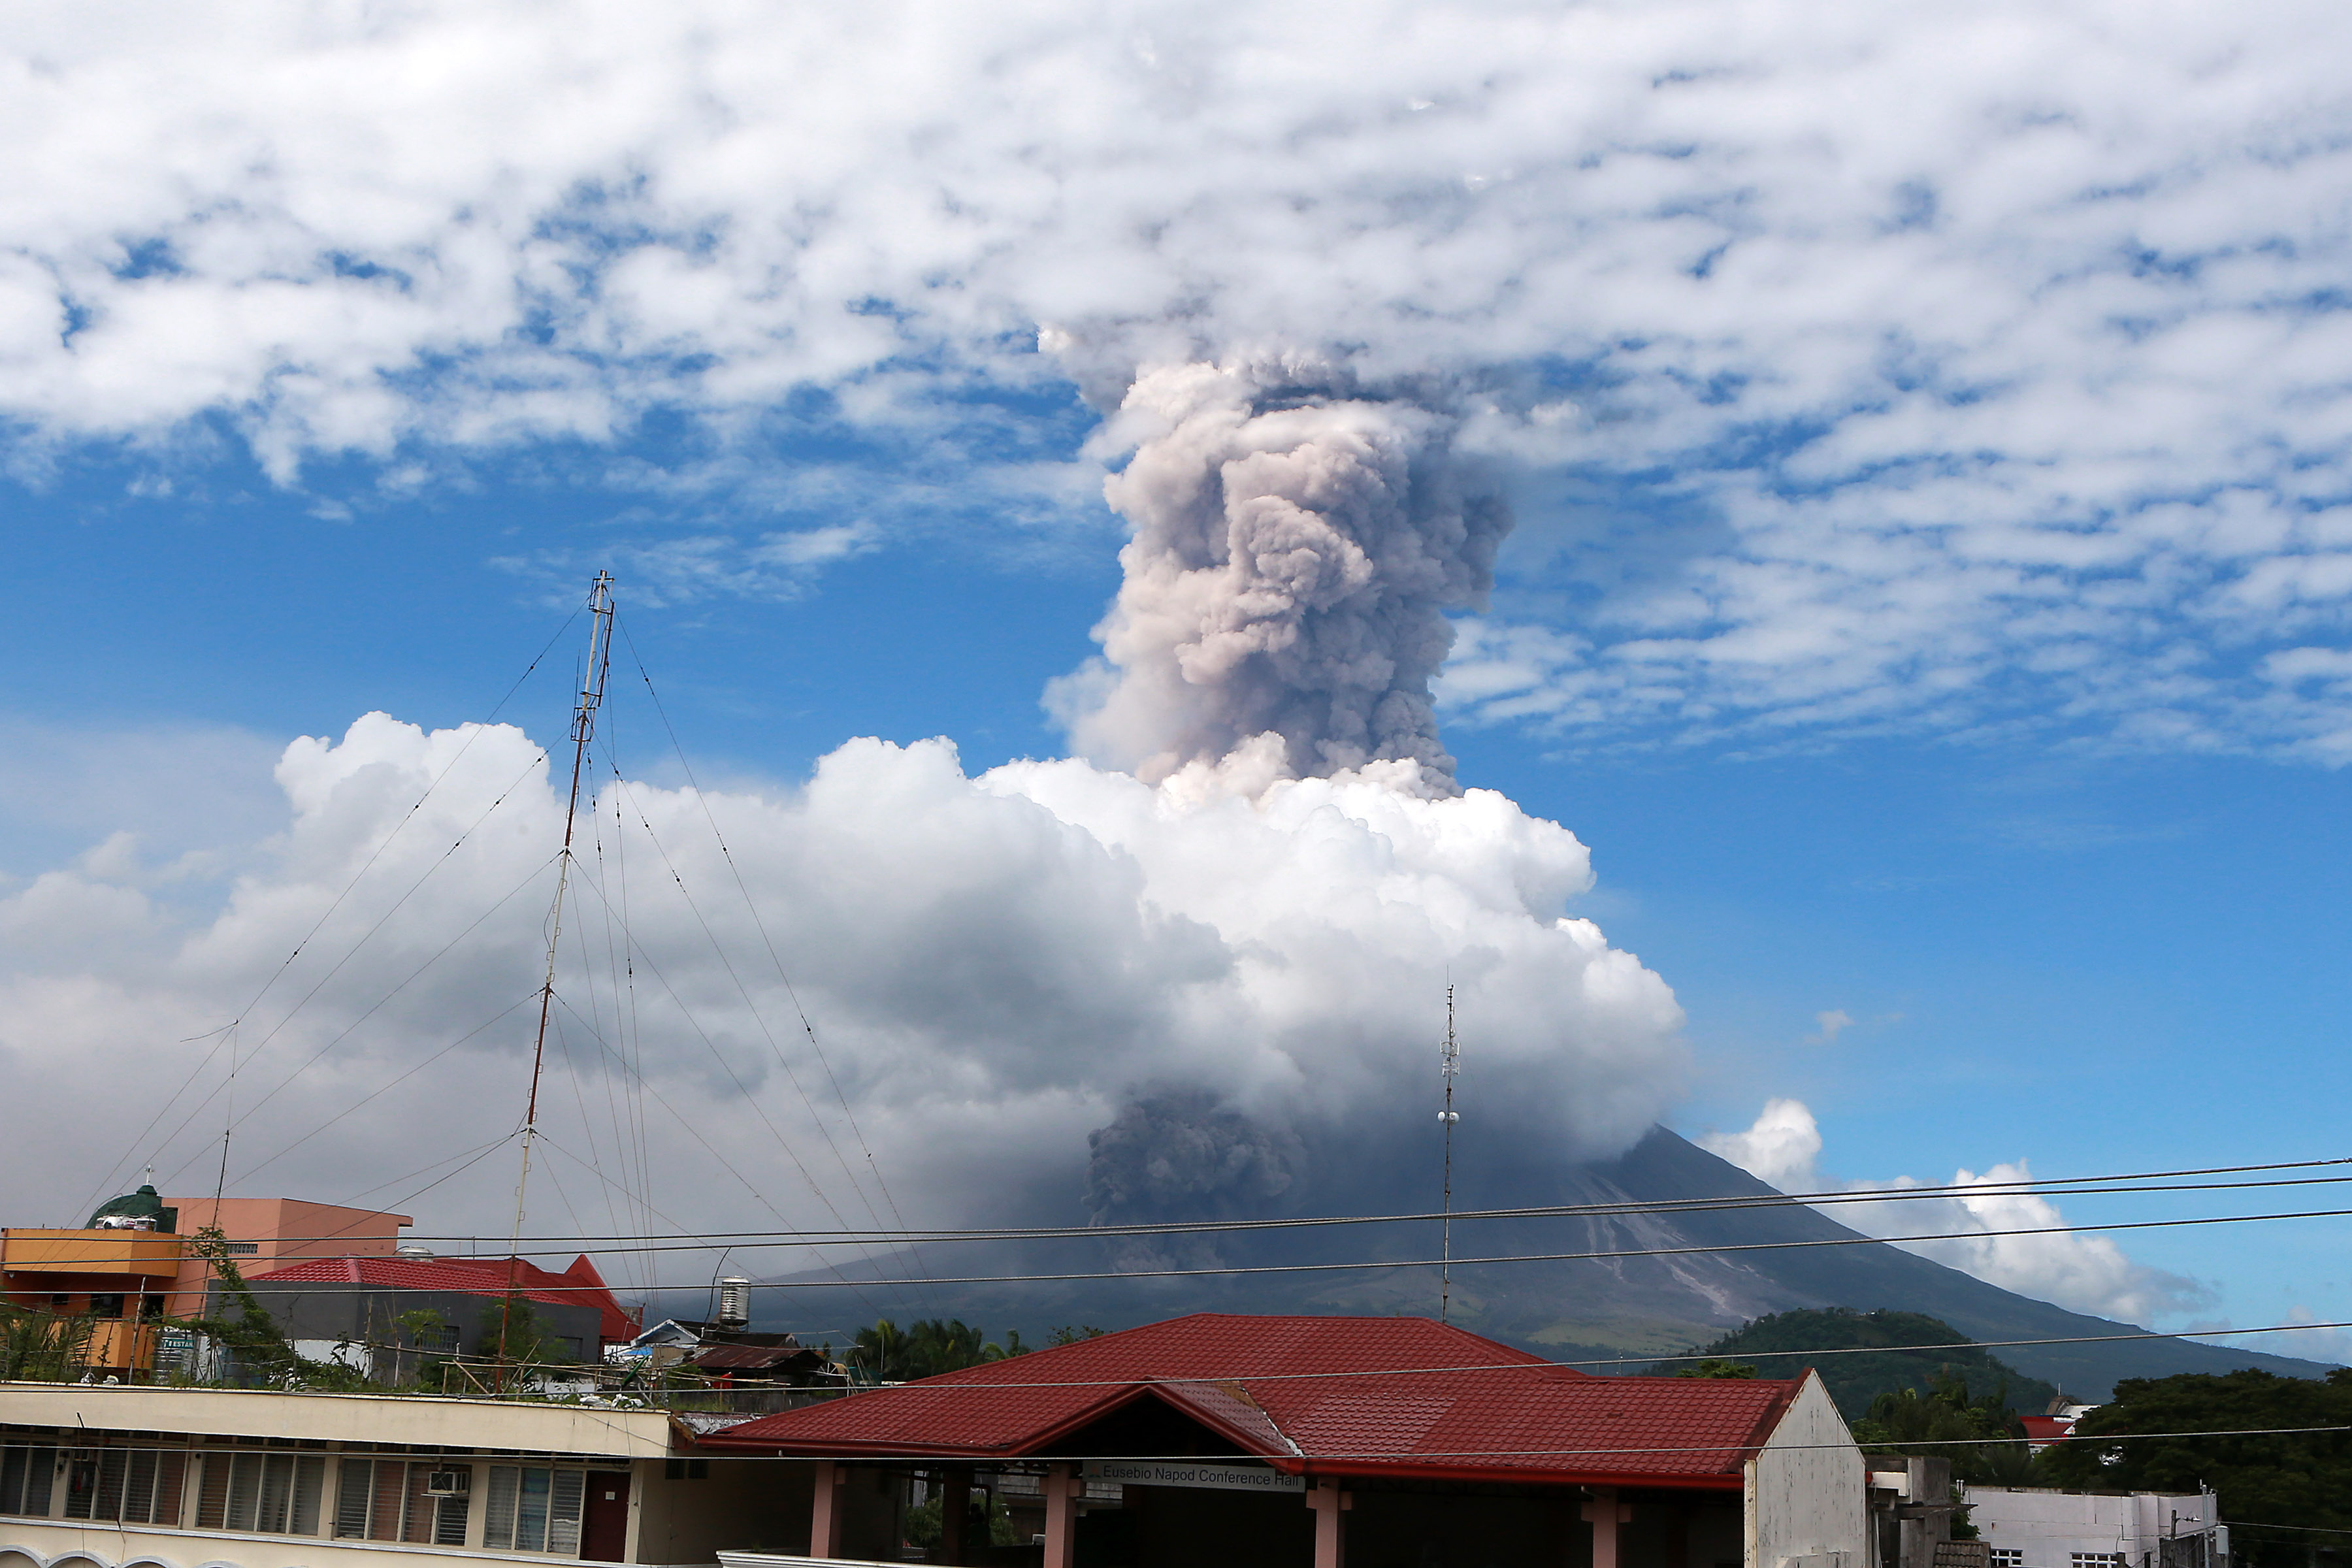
2037 1527
94 1476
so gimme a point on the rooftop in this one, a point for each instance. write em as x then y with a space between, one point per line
1326 1395
578 1285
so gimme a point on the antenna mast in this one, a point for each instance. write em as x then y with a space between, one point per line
583 728
1448 1064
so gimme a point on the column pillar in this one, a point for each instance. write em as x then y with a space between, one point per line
955 1512
1606 1513
1331 1535
1063 1489
824 1510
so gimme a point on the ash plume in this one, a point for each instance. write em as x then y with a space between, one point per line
1296 544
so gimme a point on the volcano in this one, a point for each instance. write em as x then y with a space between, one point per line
1613 1312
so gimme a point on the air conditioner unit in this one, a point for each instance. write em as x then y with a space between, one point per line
448 1483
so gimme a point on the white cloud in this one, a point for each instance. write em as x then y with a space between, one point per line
1832 1023
1778 1149
2087 1272
994 966
1992 352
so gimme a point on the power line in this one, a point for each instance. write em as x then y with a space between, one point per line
1186 1228
751 906
698 1241
1221 1270
482 726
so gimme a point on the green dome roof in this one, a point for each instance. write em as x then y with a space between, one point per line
144 1204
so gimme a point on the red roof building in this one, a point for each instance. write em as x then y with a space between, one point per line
1326 1431
357 1298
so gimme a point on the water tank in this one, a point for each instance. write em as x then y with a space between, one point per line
734 1301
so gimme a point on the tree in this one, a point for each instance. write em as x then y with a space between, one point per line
510 1321
1981 1437
887 1354
1716 1366
43 1347
2297 1479
1869 1363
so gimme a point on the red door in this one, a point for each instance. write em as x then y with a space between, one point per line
605 1519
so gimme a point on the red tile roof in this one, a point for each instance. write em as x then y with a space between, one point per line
1398 1406
578 1285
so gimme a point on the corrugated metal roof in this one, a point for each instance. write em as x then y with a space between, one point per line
752 1358
578 1285
1401 1407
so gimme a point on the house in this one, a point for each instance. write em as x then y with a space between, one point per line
133 1265
322 1303
2039 1527
1380 1442
96 1477
2057 1424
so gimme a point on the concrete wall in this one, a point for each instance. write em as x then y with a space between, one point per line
752 1505
478 1424
671 1521
2049 1526
58 1545
1808 1489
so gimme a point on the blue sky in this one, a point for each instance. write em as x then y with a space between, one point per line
1928 597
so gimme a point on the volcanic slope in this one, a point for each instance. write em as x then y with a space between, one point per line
1626 1309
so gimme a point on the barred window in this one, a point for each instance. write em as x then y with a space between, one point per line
533 1509
26 1473
261 1494
390 1499
134 1486
2007 1557
2100 1560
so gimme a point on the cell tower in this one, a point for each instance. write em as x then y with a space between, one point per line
1449 1064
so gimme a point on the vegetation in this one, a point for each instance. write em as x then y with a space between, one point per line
1981 1437
1716 1366
43 1347
257 1350
923 1523
1777 1346
885 1352
512 1332
2297 1481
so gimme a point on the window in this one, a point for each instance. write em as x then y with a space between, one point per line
2100 1560
392 1499
25 1476
266 1494
533 1509
137 1486
106 1305
675 1469
2007 1557
241 1248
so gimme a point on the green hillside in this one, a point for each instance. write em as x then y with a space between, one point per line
1774 1346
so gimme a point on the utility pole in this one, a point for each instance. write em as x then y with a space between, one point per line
583 728
1448 1064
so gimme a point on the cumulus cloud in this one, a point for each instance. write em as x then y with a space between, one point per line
1865 365
1778 1148
1203 979
2087 1272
